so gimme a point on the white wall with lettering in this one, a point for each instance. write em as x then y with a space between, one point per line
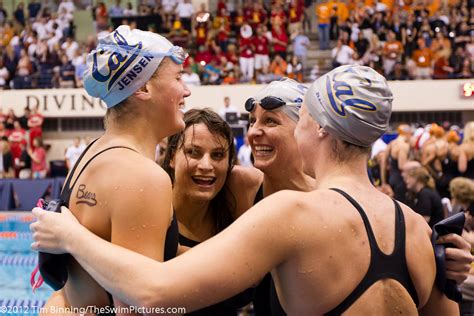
429 95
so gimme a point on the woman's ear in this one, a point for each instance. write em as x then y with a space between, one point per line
322 132
143 93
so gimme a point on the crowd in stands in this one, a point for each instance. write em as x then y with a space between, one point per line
257 41
38 49
229 45
403 40
21 142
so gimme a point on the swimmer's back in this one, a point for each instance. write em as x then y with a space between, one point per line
122 197
332 255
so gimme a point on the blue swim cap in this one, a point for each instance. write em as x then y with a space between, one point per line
124 61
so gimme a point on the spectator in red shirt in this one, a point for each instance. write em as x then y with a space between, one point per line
262 52
232 54
222 18
295 16
221 4
279 38
218 55
247 52
101 17
35 124
442 70
201 34
277 11
16 138
203 56
223 33
258 15
39 167
247 9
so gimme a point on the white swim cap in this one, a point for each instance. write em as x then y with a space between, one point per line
284 95
353 103
124 61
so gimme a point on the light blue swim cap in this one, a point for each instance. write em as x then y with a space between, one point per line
124 61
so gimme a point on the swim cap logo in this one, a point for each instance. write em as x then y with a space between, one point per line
117 62
341 89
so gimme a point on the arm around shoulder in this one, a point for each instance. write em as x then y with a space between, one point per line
229 262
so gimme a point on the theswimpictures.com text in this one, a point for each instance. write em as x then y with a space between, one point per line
91 310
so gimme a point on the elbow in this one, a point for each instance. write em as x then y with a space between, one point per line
152 296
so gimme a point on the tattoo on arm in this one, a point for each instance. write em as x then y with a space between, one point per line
85 197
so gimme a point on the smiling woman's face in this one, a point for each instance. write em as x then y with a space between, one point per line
201 163
271 137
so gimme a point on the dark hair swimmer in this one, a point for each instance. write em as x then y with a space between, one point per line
199 161
116 189
305 239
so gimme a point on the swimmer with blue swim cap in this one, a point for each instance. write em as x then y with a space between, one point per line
116 189
305 239
124 61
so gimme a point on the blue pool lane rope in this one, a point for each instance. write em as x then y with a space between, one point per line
18 260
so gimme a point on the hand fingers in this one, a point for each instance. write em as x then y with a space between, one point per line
458 241
458 255
37 211
33 227
458 266
458 277
66 211
35 246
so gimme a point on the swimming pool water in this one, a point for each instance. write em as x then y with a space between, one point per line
17 261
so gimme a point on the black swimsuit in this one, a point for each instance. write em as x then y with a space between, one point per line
171 241
396 181
265 302
450 171
469 173
382 266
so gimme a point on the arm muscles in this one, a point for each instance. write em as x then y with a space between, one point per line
140 220
210 272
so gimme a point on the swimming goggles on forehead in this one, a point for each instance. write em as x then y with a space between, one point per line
268 103
176 53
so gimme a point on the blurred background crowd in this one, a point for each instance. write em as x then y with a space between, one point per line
247 41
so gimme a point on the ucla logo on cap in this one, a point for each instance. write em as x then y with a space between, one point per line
117 62
342 91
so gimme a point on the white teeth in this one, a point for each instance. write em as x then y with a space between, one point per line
182 110
203 178
265 148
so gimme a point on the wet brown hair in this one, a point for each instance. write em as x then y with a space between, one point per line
222 206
